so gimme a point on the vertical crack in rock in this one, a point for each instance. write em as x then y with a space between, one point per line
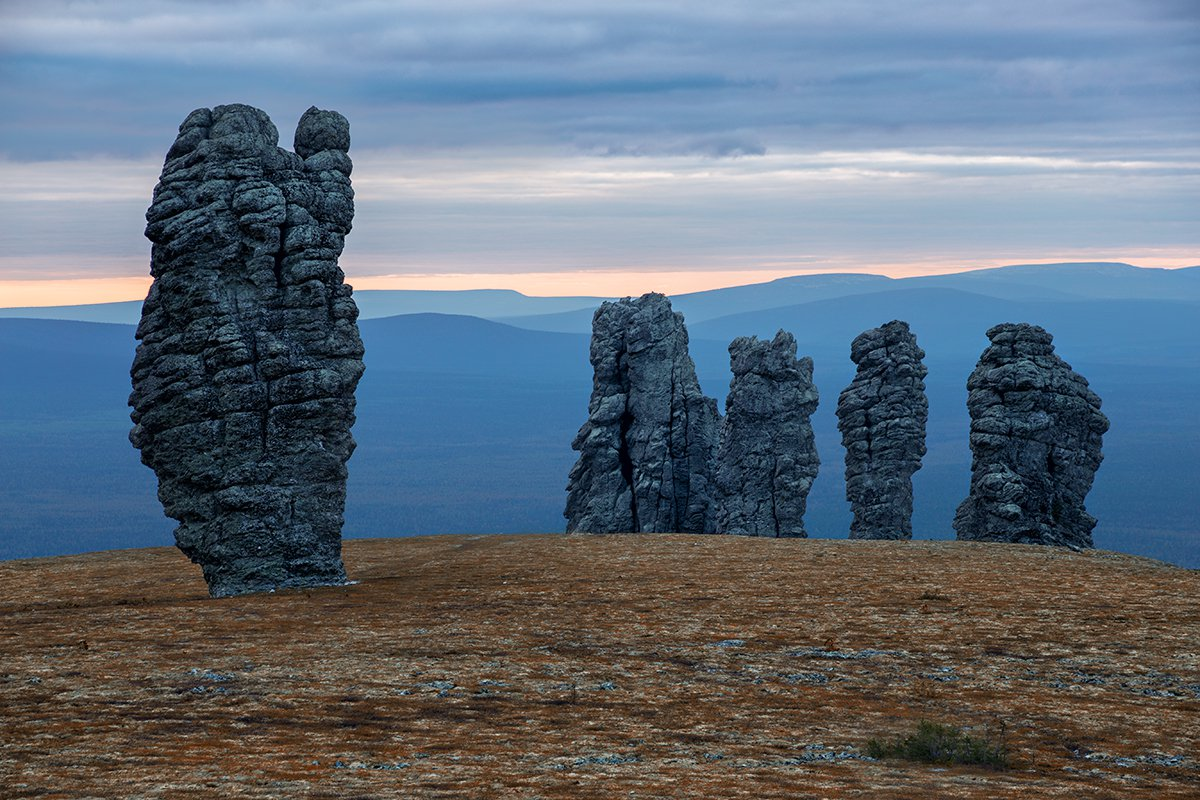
767 458
647 447
882 416
249 353
1036 433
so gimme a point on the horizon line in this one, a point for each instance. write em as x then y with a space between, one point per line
62 292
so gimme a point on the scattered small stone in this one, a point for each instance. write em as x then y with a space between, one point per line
339 764
729 643
943 678
811 678
608 760
844 655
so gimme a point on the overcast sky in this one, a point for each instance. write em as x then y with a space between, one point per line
606 138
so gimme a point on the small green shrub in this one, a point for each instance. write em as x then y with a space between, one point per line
942 744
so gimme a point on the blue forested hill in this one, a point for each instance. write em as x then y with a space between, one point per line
465 425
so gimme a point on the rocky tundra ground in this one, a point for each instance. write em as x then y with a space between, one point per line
602 666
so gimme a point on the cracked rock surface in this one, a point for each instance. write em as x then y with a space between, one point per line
882 415
249 353
646 449
1036 432
767 459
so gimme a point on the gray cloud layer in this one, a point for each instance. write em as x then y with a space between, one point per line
620 133
613 77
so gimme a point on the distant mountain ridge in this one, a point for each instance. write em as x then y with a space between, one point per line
465 423
1059 281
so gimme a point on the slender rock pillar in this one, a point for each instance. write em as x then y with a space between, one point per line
767 460
882 415
249 354
1036 433
646 449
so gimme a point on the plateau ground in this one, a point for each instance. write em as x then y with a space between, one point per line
601 666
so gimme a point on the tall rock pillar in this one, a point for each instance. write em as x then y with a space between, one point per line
767 459
646 449
249 354
882 415
1036 432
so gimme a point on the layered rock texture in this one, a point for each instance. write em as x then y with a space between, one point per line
767 458
249 354
882 415
1036 431
646 450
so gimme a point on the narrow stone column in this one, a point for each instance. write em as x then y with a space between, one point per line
882 415
1036 434
767 460
646 449
249 354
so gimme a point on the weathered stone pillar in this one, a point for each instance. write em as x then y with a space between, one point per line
1036 432
767 460
882 415
646 450
249 354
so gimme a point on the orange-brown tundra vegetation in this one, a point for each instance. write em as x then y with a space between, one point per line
602 666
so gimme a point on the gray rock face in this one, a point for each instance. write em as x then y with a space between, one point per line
767 459
882 415
1036 431
646 450
249 354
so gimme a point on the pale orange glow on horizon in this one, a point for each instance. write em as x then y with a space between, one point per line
71 291
597 283
621 283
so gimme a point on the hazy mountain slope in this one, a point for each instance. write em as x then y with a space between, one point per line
1091 280
574 314
458 344
69 479
464 425
1039 283
126 312
487 303
954 322
372 304
699 306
